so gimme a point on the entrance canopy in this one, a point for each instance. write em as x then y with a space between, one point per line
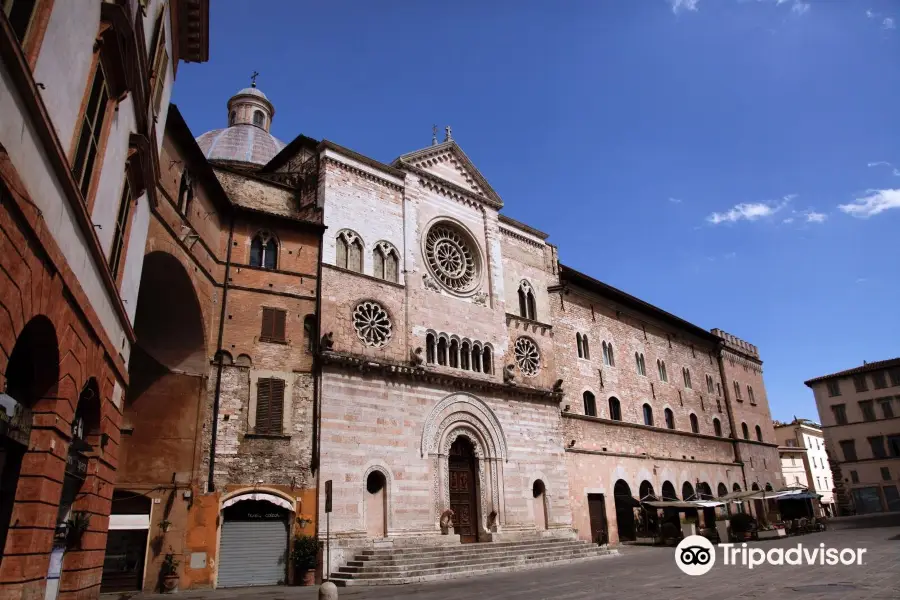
684 504
271 498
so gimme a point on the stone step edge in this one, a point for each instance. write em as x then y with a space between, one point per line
393 566
530 542
470 548
342 582
452 568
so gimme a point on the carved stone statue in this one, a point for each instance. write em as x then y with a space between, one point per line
446 521
509 374
557 387
418 357
430 284
480 298
492 521
328 341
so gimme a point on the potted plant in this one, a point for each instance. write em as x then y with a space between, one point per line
164 525
168 571
688 526
303 556
75 528
742 526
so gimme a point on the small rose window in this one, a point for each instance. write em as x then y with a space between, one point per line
528 358
372 323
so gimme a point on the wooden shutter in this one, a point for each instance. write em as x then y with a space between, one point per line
269 406
263 402
273 325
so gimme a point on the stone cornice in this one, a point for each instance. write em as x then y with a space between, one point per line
367 364
451 190
361 172
652 457
518 236
528 324
487 195
523 227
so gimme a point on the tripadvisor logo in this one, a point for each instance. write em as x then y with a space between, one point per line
696 555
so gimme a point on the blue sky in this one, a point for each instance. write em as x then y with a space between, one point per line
731 161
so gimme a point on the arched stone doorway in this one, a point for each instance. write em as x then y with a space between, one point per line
539 497
687 493
376 505
464 415
649 523
625 504
253 546
704 492
463 469
670 515
31 375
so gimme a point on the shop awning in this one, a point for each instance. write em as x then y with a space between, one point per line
120 522
684 504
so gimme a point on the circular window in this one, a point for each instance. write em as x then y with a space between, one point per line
528 358
372 323
452 257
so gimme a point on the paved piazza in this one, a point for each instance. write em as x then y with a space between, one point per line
642 573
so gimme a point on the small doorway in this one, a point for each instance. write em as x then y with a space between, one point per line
376 505
597 515
126 543
625 504
463 472
539 492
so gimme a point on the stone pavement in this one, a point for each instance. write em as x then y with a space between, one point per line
642 573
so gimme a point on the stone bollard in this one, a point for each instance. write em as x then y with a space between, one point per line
328 591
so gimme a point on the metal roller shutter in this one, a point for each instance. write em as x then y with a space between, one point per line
253 552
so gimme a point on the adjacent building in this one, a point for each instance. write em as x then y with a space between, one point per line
804 460
859 410
84 95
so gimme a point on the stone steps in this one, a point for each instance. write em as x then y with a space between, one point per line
413 565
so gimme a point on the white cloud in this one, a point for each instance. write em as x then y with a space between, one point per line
680 5
730 255
674 200
800 8
876 202
861 280
815 217
888 23
870 14
748 211
884 163
789 220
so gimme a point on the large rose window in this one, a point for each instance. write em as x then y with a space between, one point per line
452 258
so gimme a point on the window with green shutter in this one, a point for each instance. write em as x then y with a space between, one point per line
269 406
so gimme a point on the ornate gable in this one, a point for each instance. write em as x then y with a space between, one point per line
449 163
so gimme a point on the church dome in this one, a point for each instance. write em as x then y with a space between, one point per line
246 142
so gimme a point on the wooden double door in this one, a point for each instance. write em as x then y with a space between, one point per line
463 497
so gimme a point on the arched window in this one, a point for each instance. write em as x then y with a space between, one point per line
695 424
465 356
587 348
722 490
232 118
580 345
745 431
639 363
386 262
758 434
185 193
264 251
717 426
737 391
709 384
686 374
661 367
736 488
615 410
349 251
648 415
609 359
590 404
476 358
259 119
486 360
750 395
442 352
430 349
454 354
309 330
527 305
669 415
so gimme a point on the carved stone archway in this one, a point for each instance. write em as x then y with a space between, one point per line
458 415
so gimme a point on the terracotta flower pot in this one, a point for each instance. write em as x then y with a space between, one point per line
307 577
170 582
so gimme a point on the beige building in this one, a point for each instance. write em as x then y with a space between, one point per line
859 411
804 459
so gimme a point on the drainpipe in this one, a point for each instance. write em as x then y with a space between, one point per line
210 485
720 356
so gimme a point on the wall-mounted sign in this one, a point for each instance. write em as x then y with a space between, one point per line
76 464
